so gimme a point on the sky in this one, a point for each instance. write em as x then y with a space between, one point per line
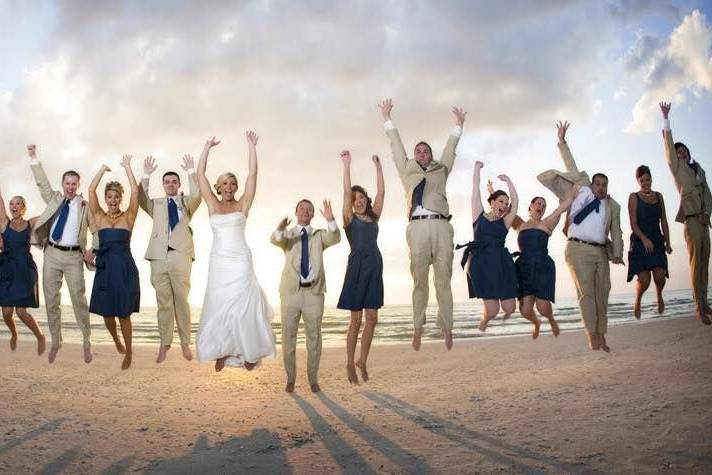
90 81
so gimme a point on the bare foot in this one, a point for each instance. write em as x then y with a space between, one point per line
249 366
417 335
220 364
289 388
13 342
127 361
351 373
448 339
120 347
604 346
661 304
87 354
162 353
636 310
53 353
364 373
315 388
187 354
41 344
483 324
506 316
554 326
593 341
704 319
535 333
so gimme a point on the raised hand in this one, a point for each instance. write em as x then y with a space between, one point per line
346 157
478 165
665 109
561 128
490 187
376 160
459 115
126 161
386 106
210 143
504 178
283 224
326 212
32 151
188 162
252 138
149 165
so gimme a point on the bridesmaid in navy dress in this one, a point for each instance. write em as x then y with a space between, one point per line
362 292
18 272
648 245
491 275
536 271
116 292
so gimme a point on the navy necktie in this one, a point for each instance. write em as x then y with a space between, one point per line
586 210
304 267
418 195
61 222
172 213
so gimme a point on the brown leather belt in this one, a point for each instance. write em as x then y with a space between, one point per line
63 248
430 216
306 284
597 244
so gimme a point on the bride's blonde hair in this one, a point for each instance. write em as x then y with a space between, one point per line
116 186
221 179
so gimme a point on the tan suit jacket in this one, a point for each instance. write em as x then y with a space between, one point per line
411 174
181 239
290 243
560 184
695 197
54 199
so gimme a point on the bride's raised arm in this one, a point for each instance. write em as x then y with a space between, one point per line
205 190
251 182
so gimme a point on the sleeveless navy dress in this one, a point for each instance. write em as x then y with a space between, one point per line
536 271
491 274
649 216
116 291
18 271
363 281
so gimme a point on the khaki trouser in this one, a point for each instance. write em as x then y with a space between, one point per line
697 236
293 307
591 273
171 279
430 242
70 266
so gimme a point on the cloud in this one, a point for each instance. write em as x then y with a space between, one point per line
671 68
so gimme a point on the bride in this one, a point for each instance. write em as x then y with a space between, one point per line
235 323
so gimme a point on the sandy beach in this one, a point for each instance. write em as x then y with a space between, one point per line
508 405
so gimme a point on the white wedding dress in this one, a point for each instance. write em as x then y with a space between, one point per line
236 317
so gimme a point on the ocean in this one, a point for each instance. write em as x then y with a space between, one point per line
395 322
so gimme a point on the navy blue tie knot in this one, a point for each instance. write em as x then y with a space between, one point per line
586 210
304 267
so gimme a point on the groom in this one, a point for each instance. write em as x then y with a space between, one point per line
61 230
170 251
303 285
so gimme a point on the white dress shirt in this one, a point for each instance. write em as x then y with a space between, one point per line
593 228
70 234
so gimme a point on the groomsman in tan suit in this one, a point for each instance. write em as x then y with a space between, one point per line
303 285
171 252
61 231
429 233
592 218
694 212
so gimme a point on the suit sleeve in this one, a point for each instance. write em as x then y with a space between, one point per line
194 199
144 201
398 152
278 239
706 198
567 158
616 233
670 155
329 238
42 182
448 156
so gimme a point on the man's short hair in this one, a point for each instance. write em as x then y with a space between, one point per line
170 173
304 200
596 175
70 173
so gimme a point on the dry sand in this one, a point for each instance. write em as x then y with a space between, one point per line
508 405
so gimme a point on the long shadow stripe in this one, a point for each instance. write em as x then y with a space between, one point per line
46 427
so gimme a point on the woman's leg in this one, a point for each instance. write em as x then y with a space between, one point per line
544 308
351 340
490 308
526 308
110 323
659 278
126 332
10 322
366 338
34 328
641 287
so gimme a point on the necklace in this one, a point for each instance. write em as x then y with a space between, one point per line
114 217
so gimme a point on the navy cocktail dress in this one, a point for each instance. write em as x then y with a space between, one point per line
18 271
363 282
536 271
649 216
491 274
116 291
